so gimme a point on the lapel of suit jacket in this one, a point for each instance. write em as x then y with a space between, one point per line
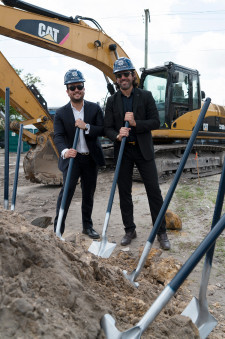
120 104
135 100
86 112
70 119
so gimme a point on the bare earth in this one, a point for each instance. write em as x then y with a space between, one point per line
54 289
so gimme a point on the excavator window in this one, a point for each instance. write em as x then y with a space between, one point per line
180 90
157 84
195 86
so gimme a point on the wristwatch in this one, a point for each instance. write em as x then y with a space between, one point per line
87 127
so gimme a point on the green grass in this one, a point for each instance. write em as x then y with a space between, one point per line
184 192
220 247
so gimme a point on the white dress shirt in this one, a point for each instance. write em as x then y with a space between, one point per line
81 144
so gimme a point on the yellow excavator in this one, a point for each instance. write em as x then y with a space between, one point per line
176 90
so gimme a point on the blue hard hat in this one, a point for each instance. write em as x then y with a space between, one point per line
123 64
73 76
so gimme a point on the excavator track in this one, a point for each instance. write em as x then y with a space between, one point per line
204 160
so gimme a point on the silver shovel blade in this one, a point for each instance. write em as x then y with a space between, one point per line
102 249
201 317
131 277
108 325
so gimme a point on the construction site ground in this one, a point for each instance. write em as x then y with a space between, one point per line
54 289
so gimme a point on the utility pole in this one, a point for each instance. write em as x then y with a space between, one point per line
147 20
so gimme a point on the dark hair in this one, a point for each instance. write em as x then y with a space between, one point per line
135 83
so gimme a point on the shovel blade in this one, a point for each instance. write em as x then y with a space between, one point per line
102 248
131 277
108 325
201 317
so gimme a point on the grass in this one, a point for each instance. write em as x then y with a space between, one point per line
220 248
184 192
193 194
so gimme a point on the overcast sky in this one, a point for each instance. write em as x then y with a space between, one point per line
190 33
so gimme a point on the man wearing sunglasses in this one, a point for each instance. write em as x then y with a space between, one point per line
138 107
88 117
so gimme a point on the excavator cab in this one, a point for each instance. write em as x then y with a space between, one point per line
176 91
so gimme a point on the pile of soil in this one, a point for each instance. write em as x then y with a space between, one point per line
55 289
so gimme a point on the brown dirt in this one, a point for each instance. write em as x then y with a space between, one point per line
55 289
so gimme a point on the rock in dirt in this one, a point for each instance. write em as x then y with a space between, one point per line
54 289
173 221
42 222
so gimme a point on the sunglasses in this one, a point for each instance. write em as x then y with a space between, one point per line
79 87
126 74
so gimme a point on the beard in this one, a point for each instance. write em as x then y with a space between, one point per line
77 100
126 85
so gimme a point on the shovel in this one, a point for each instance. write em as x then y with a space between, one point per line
6 167
66 188
107 321
131 277
197 310
104 248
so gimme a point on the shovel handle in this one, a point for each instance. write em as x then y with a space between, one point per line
6 167
209 255
179 172
66 186
217 211
116 174
71 161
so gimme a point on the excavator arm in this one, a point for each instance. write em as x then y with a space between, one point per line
40 163
77 40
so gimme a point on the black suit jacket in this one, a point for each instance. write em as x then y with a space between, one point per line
145 114
64 131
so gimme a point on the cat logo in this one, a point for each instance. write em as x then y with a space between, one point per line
49 33
47 30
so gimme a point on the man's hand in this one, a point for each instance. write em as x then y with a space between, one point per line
80 123
71 153
124 132
129 116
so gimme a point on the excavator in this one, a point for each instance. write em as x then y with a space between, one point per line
176 90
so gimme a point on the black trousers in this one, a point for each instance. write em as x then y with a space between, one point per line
148 171
85 168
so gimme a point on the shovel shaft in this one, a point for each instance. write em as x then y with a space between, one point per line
116 174
6 167
180 277
17 168
198 254
67 183
179 171
209 255
104 249
108 323
171 189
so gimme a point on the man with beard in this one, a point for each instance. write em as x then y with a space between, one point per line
138 107
88 117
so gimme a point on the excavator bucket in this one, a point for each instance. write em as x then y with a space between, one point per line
41 165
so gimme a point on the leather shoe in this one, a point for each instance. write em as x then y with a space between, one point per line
163 241
126 240
91 233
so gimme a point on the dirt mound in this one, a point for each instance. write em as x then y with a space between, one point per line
55 289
